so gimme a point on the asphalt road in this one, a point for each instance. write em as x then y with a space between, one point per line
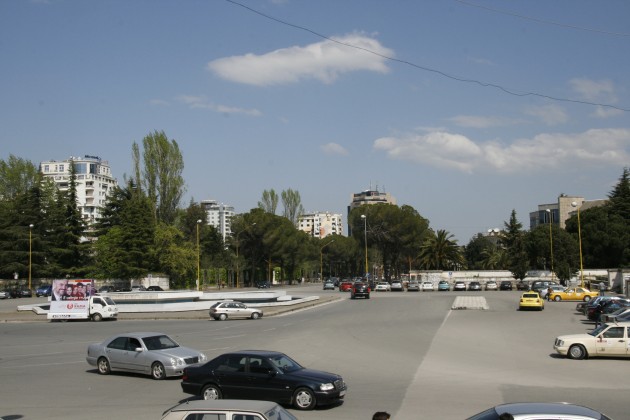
405 353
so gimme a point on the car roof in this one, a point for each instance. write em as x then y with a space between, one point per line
240 405
546 408
137 334
267 353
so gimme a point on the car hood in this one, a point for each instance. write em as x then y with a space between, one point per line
315 375
574 337
182 352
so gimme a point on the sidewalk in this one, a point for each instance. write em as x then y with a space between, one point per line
29 316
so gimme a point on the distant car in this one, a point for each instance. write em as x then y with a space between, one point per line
427 286
583 307
474 285
443 286
149 353
531 300
27 293
360 289
607 307
506 285
491 285
459 286
619 315
522 285
540 411
5 294
263 285
382 287
345 286
538 285
227 410
544 293
396 286
106 289
154 289
609 339
292 384
329 285
140 288
43 290
575 293
221 311
413 286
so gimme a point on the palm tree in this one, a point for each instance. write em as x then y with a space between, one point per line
440 251
493 258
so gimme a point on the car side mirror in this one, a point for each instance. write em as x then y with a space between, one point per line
139 349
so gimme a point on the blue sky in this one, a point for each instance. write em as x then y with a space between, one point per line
332 97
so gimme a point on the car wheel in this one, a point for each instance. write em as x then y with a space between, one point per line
557 298
157 371
103 366
304 399
222 317
255 315
211 392
368 296
97 317
587 298
577 352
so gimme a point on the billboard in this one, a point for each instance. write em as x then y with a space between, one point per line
71 298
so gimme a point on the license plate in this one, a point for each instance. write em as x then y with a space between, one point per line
342 393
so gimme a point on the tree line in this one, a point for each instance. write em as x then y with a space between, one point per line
145 230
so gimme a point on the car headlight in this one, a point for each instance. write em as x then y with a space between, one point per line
326 387
202 357
560 343
177 362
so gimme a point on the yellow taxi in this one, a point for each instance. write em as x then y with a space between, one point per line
573 293
531 300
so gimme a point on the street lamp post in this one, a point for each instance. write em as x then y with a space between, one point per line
550 240
574 204
30 254
321 260
198 254
364 217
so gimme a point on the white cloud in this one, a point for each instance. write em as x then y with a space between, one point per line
324 61
334 149
606 112
201 102
476 121
550 114
544 151
594 90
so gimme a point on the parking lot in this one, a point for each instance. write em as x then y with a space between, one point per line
405 353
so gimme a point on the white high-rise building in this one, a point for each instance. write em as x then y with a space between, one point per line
94 182
320 225
219 215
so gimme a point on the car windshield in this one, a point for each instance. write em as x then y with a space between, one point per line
108 300
285 363
278 413
598 330
159 342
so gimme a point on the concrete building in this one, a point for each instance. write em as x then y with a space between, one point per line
558 213
219 215
94 182
320 225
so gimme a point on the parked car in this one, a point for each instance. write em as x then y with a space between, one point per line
227 410
382 286
491 285
607 307
413 286
5 294
583 307
26 293
221 311
43 290
263 285
505 285
459 286
396 286
360 289
329 285
139 288
154 289
544 293
539 411
531 300
443 286
609 339
149 353
522 285
272 375
538 285
575 293
474 285
345 286
427 286
619 315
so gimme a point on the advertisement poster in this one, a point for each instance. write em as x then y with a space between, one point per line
70 298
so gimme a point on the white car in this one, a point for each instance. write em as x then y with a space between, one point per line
396 286
609 339
228 410
492 285
382 287
427 286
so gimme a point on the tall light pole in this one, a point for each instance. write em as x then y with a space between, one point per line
574 204
198 254
550 240
30 253
321 260
367 270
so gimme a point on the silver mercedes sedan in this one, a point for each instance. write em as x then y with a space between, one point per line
149 353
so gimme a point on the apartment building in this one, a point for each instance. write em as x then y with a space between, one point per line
94 182
219 215
320 225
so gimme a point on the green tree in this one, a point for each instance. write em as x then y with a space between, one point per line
292 203
512 238
269 201
161 175
17 175
477 251
441 252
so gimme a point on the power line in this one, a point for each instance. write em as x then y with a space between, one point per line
546 22
441 73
